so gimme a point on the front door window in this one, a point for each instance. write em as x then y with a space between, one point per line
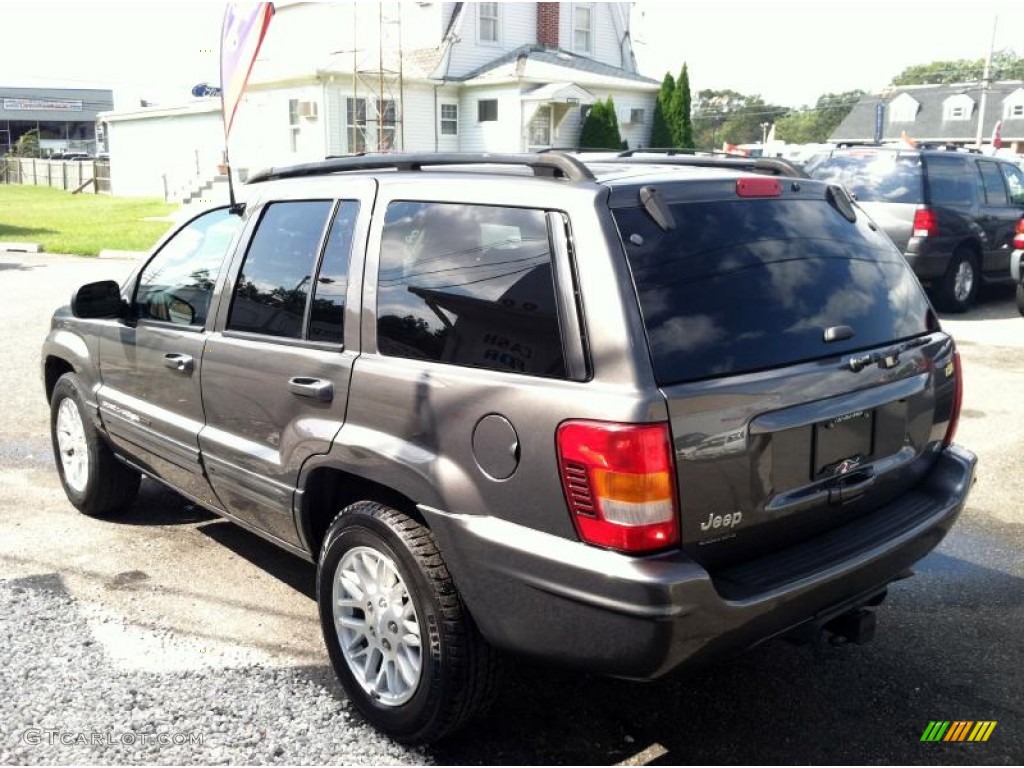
540 127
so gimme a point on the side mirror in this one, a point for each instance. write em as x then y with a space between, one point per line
98 300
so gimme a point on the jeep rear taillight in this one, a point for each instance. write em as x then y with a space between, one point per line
958 399
925 223
1018 238
619 483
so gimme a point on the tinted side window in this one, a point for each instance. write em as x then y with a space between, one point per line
1015 181
995 192
950 181
270 296
469 285
177 284
327 314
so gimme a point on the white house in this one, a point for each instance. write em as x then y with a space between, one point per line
338 78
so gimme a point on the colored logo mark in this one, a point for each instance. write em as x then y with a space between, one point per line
958 730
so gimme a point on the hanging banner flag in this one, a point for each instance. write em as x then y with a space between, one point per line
245 25
997 136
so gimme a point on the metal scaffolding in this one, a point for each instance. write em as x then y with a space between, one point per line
374 110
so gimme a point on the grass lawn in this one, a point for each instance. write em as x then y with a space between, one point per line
83 224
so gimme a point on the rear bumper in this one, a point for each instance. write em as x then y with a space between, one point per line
928 257
566 602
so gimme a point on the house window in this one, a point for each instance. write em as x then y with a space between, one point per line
637 116
449 119
1014 110
958 108
490 23
355 122
293 124
386 123
582 28
487 110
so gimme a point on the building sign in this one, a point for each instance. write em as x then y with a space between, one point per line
42 105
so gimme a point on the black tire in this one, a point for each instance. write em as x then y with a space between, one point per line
108 487
1020 298
459 671
951 295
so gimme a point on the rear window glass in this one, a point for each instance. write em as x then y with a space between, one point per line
877 177
741 286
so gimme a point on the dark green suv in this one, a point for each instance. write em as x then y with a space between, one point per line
952 213
619 416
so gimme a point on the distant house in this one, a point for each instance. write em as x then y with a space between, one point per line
340 78
937 113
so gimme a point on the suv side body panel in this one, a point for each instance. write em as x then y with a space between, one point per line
414 427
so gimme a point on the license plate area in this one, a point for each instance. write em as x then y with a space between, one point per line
845 437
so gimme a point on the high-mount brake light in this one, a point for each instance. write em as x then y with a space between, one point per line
758 187
619 483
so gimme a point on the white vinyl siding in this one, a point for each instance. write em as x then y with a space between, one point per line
518 28
503 135
604 44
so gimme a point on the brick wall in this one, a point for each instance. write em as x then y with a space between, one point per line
547 24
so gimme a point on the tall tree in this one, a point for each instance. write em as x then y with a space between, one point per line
728 116
601 127
814 125
1006 65
661 134
682 120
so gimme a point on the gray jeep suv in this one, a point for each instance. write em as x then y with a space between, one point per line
618 416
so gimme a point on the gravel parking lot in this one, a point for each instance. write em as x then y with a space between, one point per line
171 636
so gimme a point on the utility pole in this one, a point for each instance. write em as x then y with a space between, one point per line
985 82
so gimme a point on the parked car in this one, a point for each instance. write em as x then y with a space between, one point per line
619 417
953 214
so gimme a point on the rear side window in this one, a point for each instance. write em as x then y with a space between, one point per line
1015 183
740 286
950 181
469 285
992 179
270 295
873 177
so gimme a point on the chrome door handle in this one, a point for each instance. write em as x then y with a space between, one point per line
315 389
183 363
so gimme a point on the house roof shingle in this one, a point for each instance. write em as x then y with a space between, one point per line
929 123
538 54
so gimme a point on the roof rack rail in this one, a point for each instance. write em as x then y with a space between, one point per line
767 165
549 164
674 151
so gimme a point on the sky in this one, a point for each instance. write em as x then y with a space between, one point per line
788 52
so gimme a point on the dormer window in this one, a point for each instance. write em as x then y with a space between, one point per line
489 27
958 107
903 109
1013 105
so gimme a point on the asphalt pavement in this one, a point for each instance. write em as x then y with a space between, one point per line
170 636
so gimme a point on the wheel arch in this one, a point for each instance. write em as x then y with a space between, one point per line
328 488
